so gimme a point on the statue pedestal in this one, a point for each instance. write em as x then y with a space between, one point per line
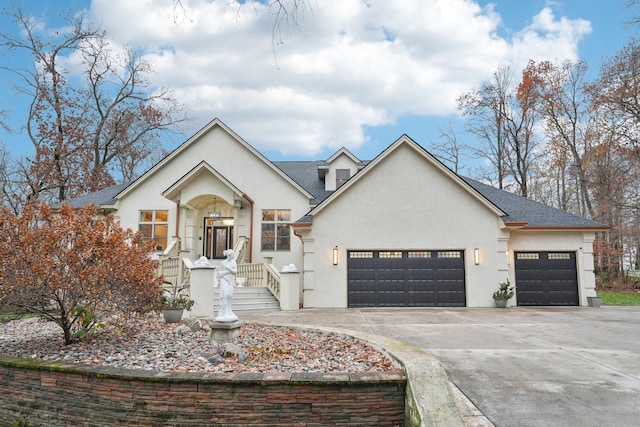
224 331
200 289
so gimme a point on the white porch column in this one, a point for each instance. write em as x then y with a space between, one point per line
201 290
586 267
191 232
289 290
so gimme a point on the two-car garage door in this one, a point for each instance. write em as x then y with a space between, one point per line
416 278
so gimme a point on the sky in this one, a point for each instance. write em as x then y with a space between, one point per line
349 73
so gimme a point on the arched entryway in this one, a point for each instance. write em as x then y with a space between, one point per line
217 219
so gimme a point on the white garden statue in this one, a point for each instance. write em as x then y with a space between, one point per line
227 279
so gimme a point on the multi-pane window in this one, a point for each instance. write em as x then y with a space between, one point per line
276 235
154 226
342 175
528 255
389 254
361 254
561 255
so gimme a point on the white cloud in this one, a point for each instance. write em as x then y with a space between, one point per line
350 64
549 38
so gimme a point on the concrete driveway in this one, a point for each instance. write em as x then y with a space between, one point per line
575 366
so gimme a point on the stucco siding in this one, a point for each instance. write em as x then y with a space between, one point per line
341 162
146 196
238 165
403 203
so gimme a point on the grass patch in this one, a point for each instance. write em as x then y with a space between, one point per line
619 298
7 316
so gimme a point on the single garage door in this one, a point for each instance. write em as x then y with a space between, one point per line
424 278
546 278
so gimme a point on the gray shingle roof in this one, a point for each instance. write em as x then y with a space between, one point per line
106 197
522 209
517 208
305 173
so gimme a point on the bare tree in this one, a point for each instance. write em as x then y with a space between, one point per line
519 122
563 104
285 13
449 150
82 123
635 19
617 90
486 108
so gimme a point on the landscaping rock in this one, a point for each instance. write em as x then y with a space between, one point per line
231 350
194 324
182 330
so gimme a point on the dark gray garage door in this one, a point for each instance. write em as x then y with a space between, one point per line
406 278
546 278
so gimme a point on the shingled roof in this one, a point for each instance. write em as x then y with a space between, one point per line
523 210
305 173
518 209
104 198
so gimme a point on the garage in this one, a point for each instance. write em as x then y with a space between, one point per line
410 278
546 278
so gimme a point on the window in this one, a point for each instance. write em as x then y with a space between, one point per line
528 255
361 254
419 254
276 235
154 226
389 254
342 175
449 254
561 255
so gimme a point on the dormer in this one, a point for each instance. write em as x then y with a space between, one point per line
338 168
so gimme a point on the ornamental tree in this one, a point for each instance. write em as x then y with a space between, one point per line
74 268
93 116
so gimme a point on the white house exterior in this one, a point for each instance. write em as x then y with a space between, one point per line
400 230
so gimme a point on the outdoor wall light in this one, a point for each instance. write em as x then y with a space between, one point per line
476 256
335 256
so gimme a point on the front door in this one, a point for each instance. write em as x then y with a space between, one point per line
218 236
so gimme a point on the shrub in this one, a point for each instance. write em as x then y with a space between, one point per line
73 267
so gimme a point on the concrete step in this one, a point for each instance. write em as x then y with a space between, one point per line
249 300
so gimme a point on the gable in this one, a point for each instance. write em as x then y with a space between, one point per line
220 146
338 168
202 180
404 202
395 172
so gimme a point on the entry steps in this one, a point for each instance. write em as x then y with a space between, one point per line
249 300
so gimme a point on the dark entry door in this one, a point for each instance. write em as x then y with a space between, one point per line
422 278
217 239
546 278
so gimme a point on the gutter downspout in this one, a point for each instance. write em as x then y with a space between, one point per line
295 233
250 227
177 219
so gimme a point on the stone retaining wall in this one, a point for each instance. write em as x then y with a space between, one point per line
57 394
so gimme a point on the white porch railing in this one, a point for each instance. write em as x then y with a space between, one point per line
261 275
174 270
242 250
273 280
171 265
170 269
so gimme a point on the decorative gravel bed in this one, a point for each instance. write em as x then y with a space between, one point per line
151 344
